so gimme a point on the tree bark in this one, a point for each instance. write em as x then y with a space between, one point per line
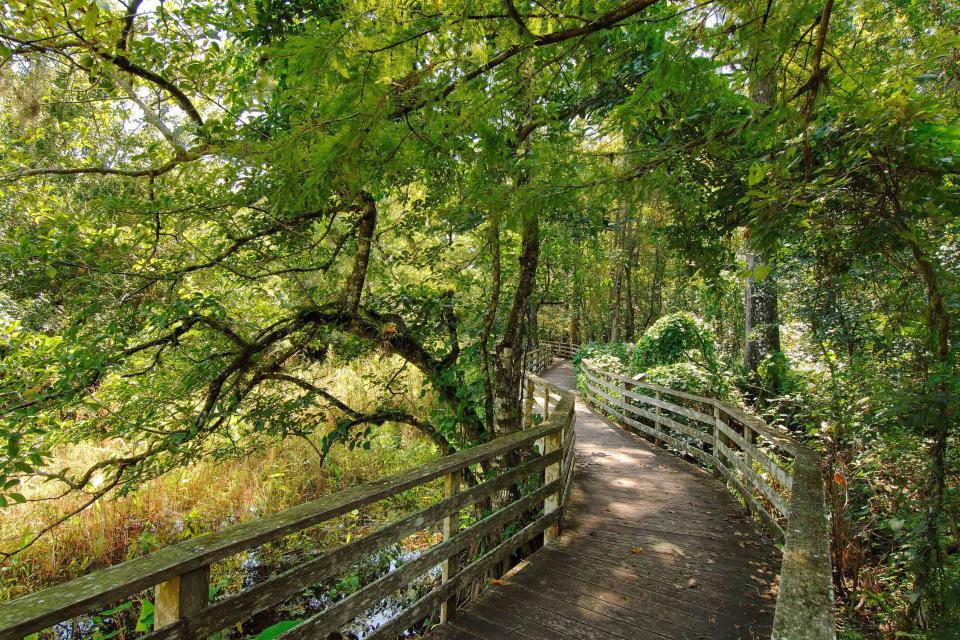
353 289
488 321
574 305
629 317
930 574
655 297
509 352
761 320
618 259
576 300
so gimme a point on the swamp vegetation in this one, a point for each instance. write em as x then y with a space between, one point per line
257 251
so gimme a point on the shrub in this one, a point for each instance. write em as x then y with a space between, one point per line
686 376
612 356
678 337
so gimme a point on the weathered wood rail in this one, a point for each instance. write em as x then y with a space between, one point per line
563 350
180 573
776 476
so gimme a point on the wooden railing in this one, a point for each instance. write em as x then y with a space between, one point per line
778 478
180 573
538 359
561 349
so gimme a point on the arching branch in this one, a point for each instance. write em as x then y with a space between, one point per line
149 172
606 21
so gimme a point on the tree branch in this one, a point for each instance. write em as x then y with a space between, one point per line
124 42
515 16
606 21
150 172
123 63
353 289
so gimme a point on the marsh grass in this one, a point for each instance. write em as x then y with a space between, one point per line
212 495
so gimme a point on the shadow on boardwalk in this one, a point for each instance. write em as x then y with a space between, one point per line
654 548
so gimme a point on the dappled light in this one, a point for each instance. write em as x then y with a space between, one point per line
479 319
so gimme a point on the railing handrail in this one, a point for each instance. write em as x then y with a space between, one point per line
804 607
40 610
782 438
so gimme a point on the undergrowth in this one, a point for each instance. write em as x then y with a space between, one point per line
204 497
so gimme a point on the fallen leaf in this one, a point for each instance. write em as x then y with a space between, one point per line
637 550
692 583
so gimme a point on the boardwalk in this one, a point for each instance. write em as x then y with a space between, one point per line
654 548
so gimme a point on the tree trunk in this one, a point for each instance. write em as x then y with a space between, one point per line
930 574
532 329
655 296
629 318
509 360
761 320
573 331
488 321
618 259
615 308
574 304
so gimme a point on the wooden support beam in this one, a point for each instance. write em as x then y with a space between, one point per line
716 439
528 404
659 424
451 526
551 503
180 596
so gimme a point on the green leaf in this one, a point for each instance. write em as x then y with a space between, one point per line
145 621
275 630
760 272
91 17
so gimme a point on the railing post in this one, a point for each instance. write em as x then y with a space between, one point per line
528 404
546 403
717 461
553 442
451 526
180 596
658 441
748 481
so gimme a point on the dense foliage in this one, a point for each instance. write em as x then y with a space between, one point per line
675 338
207 207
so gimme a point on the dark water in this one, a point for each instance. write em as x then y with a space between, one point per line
299 607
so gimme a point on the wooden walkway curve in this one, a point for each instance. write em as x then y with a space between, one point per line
643 545
654 547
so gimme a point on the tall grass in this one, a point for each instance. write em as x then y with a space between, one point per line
204 497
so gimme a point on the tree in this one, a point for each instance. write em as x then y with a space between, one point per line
205 201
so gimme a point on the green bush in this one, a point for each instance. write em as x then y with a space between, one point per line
678 337
686 376
612 356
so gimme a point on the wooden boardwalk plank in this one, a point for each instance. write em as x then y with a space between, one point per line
654 549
